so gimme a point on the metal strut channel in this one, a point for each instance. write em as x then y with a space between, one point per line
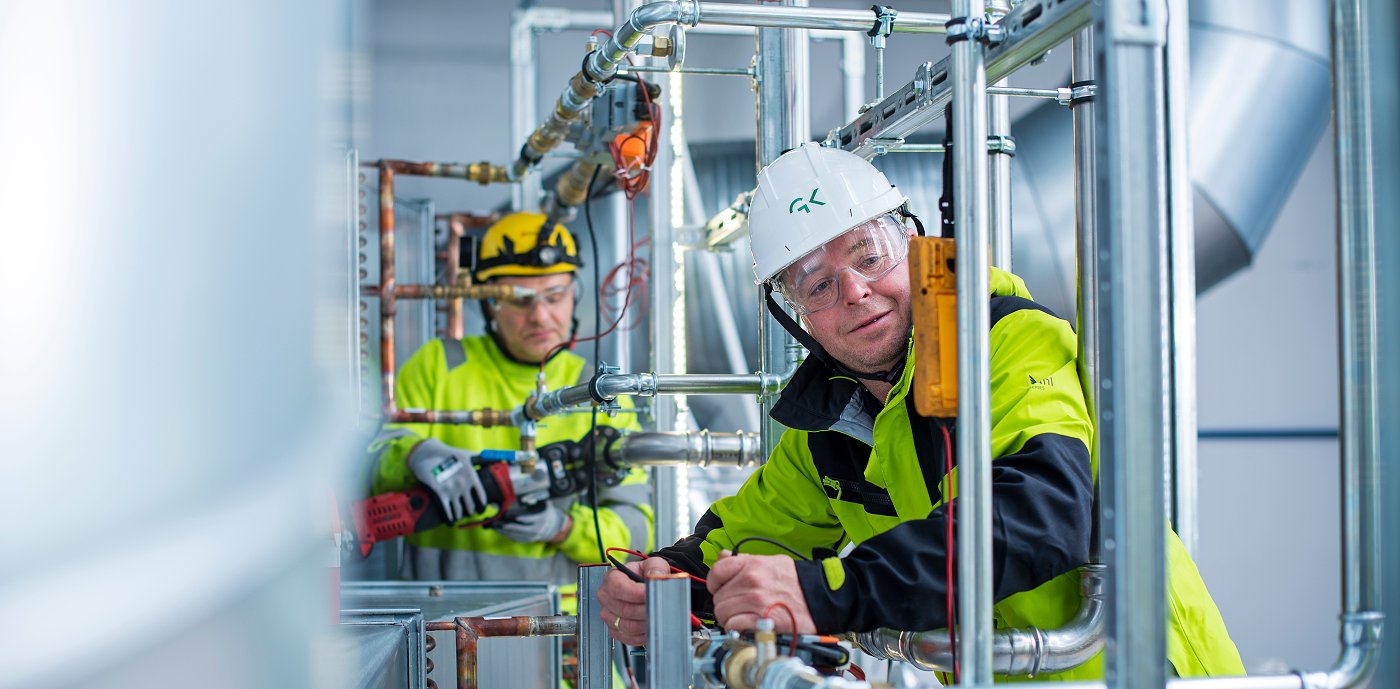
1027 32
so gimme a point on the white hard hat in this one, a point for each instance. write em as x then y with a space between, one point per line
809 196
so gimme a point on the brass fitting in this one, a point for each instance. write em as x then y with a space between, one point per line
661 46
485 173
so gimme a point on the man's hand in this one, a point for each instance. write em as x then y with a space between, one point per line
745 585
623 602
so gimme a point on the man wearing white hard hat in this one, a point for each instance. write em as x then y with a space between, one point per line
860 473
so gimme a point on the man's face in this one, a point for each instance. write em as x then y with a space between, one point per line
530 328
867 329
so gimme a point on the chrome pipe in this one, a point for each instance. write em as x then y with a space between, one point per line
1356 298
781 63
999 177
715 71
968 79
687 448
1025 652
606 387
788 17
1086 240
1182 471
1052 94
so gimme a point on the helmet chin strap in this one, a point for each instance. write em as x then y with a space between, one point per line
891 376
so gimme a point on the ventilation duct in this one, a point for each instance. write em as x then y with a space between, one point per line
1259 103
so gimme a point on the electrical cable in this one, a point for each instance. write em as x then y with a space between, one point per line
694 620
765 539
632 281
857 672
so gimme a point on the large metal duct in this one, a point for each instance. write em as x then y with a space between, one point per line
1259 103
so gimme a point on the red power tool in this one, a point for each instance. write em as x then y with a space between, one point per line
559 470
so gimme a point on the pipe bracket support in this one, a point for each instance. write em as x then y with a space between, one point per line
961 29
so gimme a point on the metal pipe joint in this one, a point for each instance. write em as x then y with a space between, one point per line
1025 652
686 448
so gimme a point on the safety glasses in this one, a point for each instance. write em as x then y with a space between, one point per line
869 250
553 297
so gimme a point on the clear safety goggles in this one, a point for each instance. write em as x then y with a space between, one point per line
869 250
551 298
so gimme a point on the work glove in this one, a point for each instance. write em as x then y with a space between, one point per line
540 526
448 472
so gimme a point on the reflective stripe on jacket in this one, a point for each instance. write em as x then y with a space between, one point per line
851 471
478 376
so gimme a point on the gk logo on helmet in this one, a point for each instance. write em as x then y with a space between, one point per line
807 203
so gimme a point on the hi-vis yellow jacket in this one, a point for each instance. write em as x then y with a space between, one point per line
853 471
472 374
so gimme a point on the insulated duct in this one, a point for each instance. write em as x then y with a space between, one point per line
1258 104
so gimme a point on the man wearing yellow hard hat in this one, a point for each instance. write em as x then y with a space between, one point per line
498 371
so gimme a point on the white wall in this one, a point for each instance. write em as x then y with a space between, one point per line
1269 509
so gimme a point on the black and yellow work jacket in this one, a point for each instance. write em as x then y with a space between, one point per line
475 373
867 477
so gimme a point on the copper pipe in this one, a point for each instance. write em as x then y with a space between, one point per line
487 291
470 630
429 643
455 231
445 292
388 301
486 418
457 226
482 173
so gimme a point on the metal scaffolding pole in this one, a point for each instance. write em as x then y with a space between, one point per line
1182 470
999 179
784 121
1086 289
1356 293
1134 326
974 432
668 493
1384 70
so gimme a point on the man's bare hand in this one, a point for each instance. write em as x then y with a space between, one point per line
623 602
745 585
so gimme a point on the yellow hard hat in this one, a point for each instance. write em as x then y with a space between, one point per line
521 244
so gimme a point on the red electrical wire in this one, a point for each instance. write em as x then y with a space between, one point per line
674 569
791 616
948 462
694 621
857 672
632 281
